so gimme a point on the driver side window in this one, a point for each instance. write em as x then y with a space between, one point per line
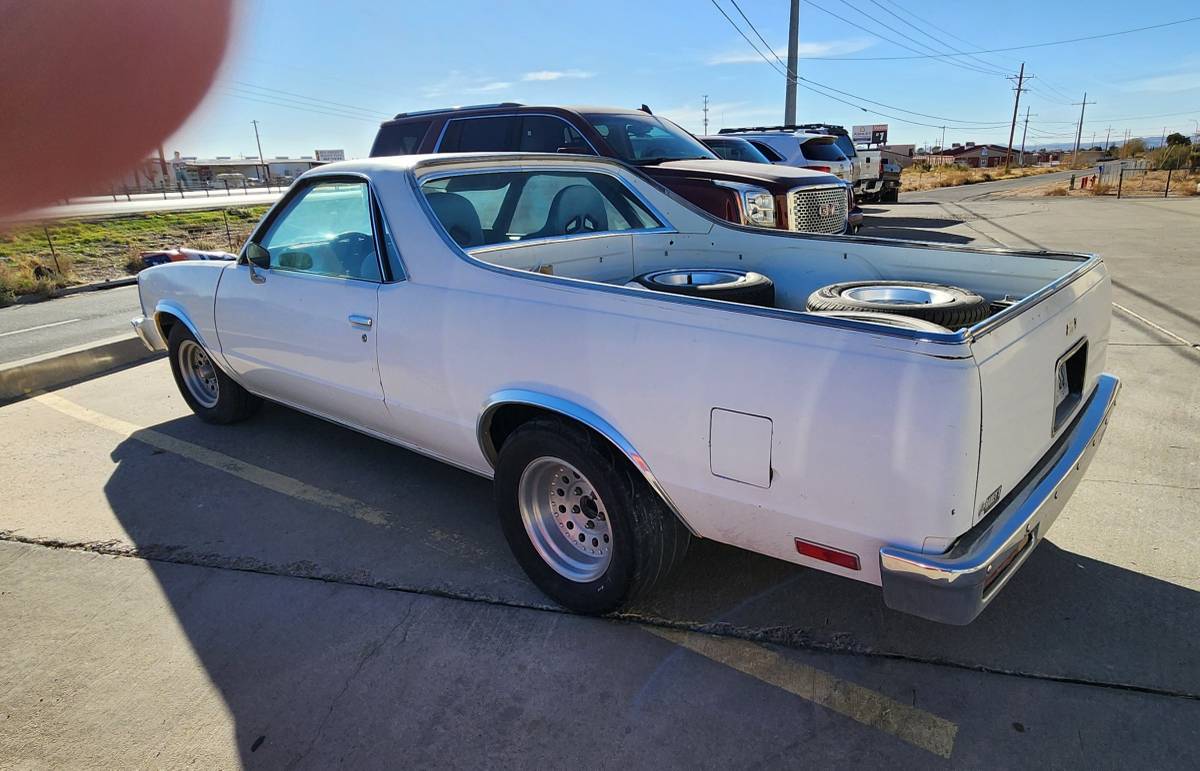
326 230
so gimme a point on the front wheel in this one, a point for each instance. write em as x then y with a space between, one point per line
584 527
211 394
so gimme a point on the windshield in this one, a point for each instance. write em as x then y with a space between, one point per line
736 150
647 139
846 145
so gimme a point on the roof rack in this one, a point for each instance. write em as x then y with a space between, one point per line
454 109
824 128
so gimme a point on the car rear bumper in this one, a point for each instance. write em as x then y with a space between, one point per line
955 587
148 332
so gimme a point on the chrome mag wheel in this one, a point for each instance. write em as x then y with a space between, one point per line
565 519
199 374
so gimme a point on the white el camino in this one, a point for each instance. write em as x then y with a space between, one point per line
634 373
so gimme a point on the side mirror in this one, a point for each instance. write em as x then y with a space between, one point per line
257 255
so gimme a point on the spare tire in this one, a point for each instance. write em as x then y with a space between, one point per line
949 306
887 319
714 283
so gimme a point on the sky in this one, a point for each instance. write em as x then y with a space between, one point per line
322 75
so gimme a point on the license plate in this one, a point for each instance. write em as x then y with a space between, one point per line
1062 386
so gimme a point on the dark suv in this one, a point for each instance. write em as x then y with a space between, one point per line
755 194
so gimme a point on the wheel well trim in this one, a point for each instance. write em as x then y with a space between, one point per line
174 309
573 411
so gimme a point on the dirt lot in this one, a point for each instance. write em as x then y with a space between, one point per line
916 179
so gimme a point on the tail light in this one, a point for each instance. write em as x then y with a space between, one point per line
825 169
843 559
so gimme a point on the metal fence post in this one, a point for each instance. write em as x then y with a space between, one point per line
1120 181
1168 190
54 254
226 186
228 235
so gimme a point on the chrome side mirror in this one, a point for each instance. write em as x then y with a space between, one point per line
257 255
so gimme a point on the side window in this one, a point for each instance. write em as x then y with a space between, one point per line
767 150
326 230
546 134
547 204
480 135
400 138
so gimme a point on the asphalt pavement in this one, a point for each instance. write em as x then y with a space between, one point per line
287 593
106 206
32 329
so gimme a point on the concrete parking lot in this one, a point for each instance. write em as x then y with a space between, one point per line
284 592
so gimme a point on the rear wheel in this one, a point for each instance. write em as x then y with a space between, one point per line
584 527
211 394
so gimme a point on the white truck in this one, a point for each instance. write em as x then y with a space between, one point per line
874 175
634 373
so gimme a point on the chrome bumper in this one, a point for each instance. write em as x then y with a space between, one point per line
955 587
147 331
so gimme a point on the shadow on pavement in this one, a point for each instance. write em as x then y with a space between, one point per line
1064 615
914 229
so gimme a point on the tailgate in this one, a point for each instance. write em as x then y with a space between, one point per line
1036 369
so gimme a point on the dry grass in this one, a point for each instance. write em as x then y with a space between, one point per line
919 178
1056 190
30 275
1150 183
96 250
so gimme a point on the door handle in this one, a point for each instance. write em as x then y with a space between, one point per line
361 321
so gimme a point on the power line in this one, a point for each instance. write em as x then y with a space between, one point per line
920 55
1000 50
786 72
308 109
303 97
996 69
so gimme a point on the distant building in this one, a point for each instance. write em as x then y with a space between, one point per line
977 156
904 155
216 171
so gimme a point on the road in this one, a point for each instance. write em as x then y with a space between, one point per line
286 592
36 328
105 206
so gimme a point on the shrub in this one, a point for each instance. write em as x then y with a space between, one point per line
1057 190
30 275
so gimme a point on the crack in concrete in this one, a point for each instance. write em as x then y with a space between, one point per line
781 635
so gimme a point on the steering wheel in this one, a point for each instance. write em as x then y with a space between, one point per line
351 248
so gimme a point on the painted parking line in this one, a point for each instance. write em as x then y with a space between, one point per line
862 705
271 480
39 326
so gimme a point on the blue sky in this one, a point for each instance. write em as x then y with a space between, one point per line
322 75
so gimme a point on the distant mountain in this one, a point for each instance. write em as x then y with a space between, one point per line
1151 142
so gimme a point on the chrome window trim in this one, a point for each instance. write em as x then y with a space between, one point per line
437 148
663 226
959 338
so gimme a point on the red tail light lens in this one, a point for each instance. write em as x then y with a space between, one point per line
825 169
842 559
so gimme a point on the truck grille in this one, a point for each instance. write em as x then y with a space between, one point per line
818 209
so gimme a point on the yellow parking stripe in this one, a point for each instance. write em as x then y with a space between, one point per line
271 480
907 723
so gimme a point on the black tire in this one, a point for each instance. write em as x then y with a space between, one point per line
233 403
714 283
891 195
957 308
648 540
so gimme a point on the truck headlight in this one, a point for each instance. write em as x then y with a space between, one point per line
759 206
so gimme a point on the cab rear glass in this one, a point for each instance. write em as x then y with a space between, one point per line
400 138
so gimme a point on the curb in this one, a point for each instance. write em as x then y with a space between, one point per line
51 370
28 299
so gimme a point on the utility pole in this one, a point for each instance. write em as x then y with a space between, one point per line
789 101
1079 131
1107 135
1012 130
942 148
1023 135
261 160
706 114
1163 143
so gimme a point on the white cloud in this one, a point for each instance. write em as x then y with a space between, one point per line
557 75
745 54
1179 81
458 83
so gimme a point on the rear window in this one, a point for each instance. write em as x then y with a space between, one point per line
768 152
400 138
823 150
846 145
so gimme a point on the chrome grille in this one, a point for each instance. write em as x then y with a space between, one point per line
818 209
